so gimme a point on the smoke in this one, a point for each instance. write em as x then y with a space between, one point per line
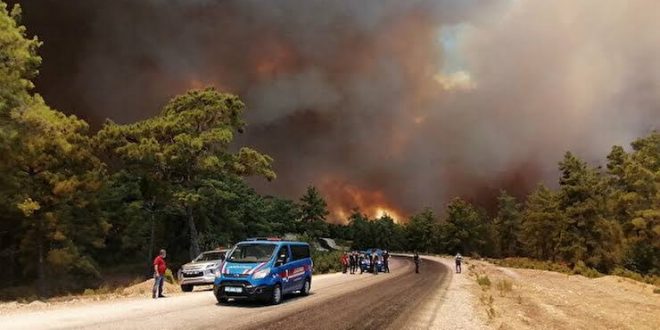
403 104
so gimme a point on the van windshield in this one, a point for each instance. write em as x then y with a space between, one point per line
251 252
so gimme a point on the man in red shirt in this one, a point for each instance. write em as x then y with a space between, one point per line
159 275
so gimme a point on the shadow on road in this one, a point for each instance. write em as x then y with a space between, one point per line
240 303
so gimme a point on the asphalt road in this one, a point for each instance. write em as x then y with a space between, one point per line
337 301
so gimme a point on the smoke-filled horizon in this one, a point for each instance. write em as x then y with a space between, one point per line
390 106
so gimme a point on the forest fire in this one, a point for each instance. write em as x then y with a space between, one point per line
344 199
394 97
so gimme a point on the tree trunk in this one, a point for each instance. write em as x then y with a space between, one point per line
41 269
194 242
150 253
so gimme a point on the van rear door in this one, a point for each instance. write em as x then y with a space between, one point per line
300 265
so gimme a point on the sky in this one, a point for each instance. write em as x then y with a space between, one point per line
389 106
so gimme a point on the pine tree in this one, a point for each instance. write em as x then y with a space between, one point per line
634 201
186 147
586 235
507 225
313 210
50 175
541 225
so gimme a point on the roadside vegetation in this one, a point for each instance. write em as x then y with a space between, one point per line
75 204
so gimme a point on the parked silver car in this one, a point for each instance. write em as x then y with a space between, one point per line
202 270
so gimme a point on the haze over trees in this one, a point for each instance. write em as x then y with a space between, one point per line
74 204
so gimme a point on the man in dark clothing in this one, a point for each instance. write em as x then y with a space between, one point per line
351 262
371 262
459 259
416 259
159 275
386 262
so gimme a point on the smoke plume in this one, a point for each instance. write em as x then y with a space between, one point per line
385 105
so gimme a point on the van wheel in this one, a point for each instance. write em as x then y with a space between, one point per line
276 298
306 288
186 287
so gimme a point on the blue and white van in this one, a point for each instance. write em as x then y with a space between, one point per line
264 269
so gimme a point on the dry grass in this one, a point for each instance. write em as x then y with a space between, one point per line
504 286
483 281
528 298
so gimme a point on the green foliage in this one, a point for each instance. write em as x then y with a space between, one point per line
634 201
186 149
586 235
313 210
421 230
326 262
541 224
50 176
465 229
581 268
19 62
507 225
623 272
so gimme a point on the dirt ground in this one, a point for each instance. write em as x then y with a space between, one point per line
141 289
532 299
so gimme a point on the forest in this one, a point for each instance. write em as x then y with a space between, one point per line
76 202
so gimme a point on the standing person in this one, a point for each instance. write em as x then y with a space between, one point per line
354 262
416 259
372 261
459 259
386 262
344 262
361 261
159 274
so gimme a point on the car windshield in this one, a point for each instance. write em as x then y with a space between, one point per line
252 252
210 256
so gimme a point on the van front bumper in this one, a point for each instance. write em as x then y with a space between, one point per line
248 291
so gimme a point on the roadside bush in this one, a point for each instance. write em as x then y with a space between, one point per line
169 277
582 269
483 281
532 264
326 262
623 272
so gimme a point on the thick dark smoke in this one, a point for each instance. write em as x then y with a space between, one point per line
387 105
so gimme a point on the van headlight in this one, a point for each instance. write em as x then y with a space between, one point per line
261 274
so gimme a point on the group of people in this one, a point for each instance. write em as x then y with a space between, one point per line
368 261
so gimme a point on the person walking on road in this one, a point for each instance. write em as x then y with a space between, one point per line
386 262
416 259
459 259
344 262
159 274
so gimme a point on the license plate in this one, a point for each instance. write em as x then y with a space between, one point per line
233 289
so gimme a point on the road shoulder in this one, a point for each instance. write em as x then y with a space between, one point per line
453 304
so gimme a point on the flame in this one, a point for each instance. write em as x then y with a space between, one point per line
344 198
274 56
